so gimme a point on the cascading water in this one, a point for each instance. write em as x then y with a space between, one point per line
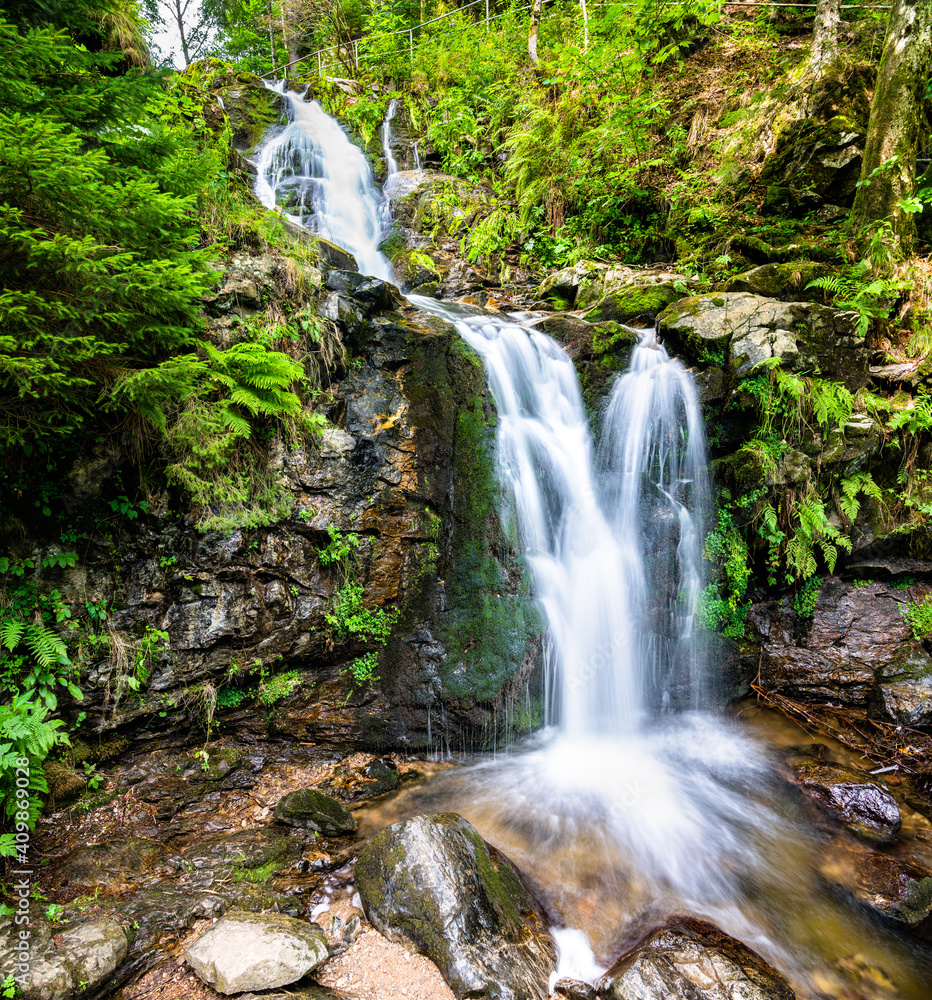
322 181
391 166
622 813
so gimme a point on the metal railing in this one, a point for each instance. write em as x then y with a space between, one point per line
487 20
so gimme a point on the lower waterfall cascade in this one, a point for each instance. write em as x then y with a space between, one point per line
635 801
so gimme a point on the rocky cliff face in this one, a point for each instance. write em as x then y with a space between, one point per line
406 465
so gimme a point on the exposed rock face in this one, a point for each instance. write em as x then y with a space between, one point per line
256 951
834 658
780 281
312 810
861 803
689 959
79 957
434 884
739 330
612 291
410 417
904 689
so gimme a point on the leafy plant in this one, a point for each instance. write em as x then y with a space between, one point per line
918 615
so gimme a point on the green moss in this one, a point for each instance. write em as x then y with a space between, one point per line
627 303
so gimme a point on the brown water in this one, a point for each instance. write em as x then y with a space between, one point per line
689 817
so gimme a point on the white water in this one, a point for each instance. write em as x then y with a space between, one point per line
622 813
324 182
391 165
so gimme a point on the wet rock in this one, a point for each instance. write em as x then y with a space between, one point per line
859 801
105 865
434 884
77 958
688 959
251 951
374 778
894 888
574 989
904 689
342 923
373 294
336 256
739 330
312 810
853 629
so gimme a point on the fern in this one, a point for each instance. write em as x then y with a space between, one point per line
852 487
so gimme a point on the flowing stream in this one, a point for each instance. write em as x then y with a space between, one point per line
632 803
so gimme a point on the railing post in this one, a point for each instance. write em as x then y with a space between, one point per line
486 15
319 71
356 52
411 43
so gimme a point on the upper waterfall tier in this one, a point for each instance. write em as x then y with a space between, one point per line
322 181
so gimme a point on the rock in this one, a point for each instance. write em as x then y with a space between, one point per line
739 330
560 288
834 658
780 281
904 689
373 294
574 989
894 888
623 304
434 884
312 810
857 800
78 959
823 158
689 959
342 923
336 256
256 951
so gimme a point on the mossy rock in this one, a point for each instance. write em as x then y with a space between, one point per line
626 303
433 883
312 810
786 281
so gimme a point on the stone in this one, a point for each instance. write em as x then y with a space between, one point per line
312 810
853 629
78 959
786 281
739 330
629 301
372 294
336 256
256 951
689 959
904 689
896 889
433 884
855 799
574 989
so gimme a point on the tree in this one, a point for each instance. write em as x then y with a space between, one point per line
194 21
888 171
534 31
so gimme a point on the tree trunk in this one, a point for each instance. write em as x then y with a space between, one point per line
825 36
534 31
888 171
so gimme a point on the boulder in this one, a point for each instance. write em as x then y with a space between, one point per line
635 299
433 884
854 798
256 951
904 689
833 658
786 281
336 256
689 959
372 294
312 810
739 330
78 959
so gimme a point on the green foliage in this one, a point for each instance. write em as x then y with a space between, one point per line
341 550
918 615
852 487
363 669
27 737
871 297
205 407
805 598
280 686
351 620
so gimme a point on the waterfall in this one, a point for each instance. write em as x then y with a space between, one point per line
390 164
609 536
322 181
